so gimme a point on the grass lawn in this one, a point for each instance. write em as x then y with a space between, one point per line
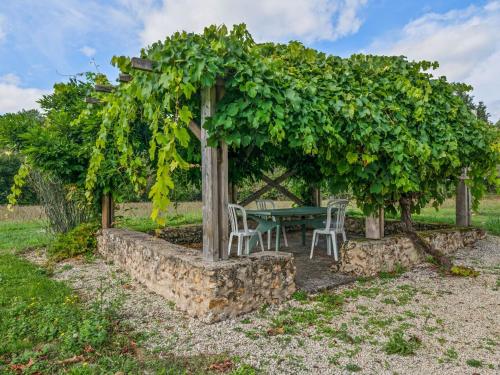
46 329
487 216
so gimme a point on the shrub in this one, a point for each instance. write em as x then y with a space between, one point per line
79 241
64 205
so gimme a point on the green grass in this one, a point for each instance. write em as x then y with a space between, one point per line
145 224
15 236
487 216
46 329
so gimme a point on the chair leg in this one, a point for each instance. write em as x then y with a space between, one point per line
334 242
230 243
328 245
269 235
317 239
247 245
284 236
344 237
313 244
239 245
260 241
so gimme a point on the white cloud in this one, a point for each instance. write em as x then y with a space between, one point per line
88 51
276 20
13 98
465 42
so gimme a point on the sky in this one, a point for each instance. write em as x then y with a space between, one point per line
44 42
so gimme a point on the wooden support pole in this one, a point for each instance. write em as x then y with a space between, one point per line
141 64
316 196
214 186
463 202
107 211
223 183
374 225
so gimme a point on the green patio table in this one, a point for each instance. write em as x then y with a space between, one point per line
277 217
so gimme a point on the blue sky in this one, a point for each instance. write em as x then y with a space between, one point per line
43 41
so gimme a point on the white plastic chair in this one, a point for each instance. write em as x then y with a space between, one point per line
264 204
244 233
332 229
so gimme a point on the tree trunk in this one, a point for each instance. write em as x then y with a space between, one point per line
406 220
405 206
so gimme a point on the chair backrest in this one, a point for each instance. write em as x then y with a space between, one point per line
263 204
339 205
233 217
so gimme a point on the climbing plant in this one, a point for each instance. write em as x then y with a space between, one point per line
383 126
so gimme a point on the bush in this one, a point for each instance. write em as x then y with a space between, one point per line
64 205
79 241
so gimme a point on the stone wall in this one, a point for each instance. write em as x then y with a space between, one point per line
210 291
369 257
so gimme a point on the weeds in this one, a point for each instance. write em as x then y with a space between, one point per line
399 344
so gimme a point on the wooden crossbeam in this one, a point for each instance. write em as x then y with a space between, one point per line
123 77
195 128
265 189
283 191
92 100
142 64
103 88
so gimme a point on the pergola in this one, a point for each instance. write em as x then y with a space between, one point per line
217 191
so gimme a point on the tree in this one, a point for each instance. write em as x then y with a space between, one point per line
383 126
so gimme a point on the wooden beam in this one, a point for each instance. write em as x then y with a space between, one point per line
195 129
103 88
142 64
92 101
123 77
265 189
283 191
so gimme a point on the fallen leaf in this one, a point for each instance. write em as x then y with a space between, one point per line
223 366
275 331
68 361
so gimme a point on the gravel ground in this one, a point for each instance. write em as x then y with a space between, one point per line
435 324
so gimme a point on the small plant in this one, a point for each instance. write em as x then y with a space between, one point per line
398 271
79 241
474 363
463 271
352 367
400 345
451 354
300 296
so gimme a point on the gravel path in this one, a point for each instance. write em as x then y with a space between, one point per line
435 324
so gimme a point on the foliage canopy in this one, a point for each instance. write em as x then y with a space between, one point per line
382 126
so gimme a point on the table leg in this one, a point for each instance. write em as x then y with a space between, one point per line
303 234
278 235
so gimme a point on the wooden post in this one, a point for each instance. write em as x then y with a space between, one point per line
316 196
374 225
463 202
214 186
107 211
